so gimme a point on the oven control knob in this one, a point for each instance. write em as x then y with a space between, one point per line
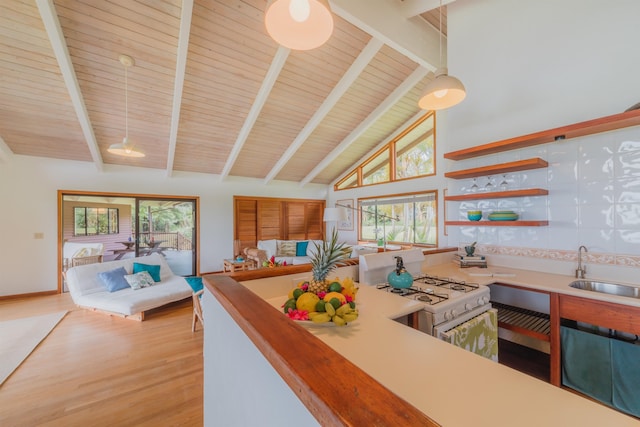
453 314
482 300
467 306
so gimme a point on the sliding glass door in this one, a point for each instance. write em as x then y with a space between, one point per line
102 227
167 226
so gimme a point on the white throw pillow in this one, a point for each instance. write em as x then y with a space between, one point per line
269 246
139 280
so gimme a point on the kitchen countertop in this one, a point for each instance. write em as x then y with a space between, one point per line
452 386
534 280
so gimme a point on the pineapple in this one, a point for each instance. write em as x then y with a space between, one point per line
327 257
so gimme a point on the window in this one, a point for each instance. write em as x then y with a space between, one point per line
409 155
93 221
402 218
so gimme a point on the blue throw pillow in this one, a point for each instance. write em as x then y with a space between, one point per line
301 248
195 283
154 270
114 280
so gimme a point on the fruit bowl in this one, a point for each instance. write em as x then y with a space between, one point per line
322 304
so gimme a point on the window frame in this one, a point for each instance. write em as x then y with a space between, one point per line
111 213
392 154
389 198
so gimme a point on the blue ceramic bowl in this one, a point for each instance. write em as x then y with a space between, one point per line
474 215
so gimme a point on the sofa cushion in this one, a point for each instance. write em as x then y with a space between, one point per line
139 280
285 248
195 283
153 270
269 246
113 280
301 248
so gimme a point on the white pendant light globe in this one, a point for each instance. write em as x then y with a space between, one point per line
442 92
126 148
299 24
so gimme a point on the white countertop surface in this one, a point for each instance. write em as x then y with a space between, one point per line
533 280
452 386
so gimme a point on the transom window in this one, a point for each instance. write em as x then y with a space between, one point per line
402 218
93 221
410 155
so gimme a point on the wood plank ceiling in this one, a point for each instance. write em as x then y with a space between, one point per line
210 91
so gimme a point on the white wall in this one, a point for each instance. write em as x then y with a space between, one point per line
527 67
28 190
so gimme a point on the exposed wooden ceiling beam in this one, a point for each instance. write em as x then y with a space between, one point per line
56 37
361 62
384 20
267 84
408 84
181 65
411 8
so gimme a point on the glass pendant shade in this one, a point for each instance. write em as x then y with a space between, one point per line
442 92
125 148
299 24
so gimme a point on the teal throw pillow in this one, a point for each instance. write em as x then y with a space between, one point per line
154 270
139 280
113 280
195 283
301 248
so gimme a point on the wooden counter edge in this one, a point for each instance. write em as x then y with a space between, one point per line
261 273
334 390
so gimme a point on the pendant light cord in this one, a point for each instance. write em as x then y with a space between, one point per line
440 30
126 105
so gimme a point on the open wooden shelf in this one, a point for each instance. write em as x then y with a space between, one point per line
502 168
603 124
528 192
541 223
523 321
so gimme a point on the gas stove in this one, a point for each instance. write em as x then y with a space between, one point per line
444 299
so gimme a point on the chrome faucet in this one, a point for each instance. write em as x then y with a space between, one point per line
581 270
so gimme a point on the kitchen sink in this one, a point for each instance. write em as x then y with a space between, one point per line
607 288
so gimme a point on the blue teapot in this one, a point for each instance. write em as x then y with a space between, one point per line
400 278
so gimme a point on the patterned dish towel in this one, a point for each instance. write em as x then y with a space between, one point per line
478 335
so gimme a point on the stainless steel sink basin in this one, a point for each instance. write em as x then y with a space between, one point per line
607 288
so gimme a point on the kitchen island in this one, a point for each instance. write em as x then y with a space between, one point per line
431 381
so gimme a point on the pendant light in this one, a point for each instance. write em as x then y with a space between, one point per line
443 91
126 148
299 24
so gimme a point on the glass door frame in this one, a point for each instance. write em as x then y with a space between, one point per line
63 193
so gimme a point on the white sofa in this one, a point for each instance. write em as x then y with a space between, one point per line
273 247
87 290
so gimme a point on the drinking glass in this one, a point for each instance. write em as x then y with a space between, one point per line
488 186
474 186
504 184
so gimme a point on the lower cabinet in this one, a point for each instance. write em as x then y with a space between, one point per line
601 367
598 350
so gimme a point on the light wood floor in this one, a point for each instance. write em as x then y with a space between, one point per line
98 370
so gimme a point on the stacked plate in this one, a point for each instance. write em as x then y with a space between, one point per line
503 216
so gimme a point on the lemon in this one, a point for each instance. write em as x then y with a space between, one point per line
337 295
307 302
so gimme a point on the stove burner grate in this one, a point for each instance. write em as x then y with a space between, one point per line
424 298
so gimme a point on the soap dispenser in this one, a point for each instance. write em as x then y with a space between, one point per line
400 278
